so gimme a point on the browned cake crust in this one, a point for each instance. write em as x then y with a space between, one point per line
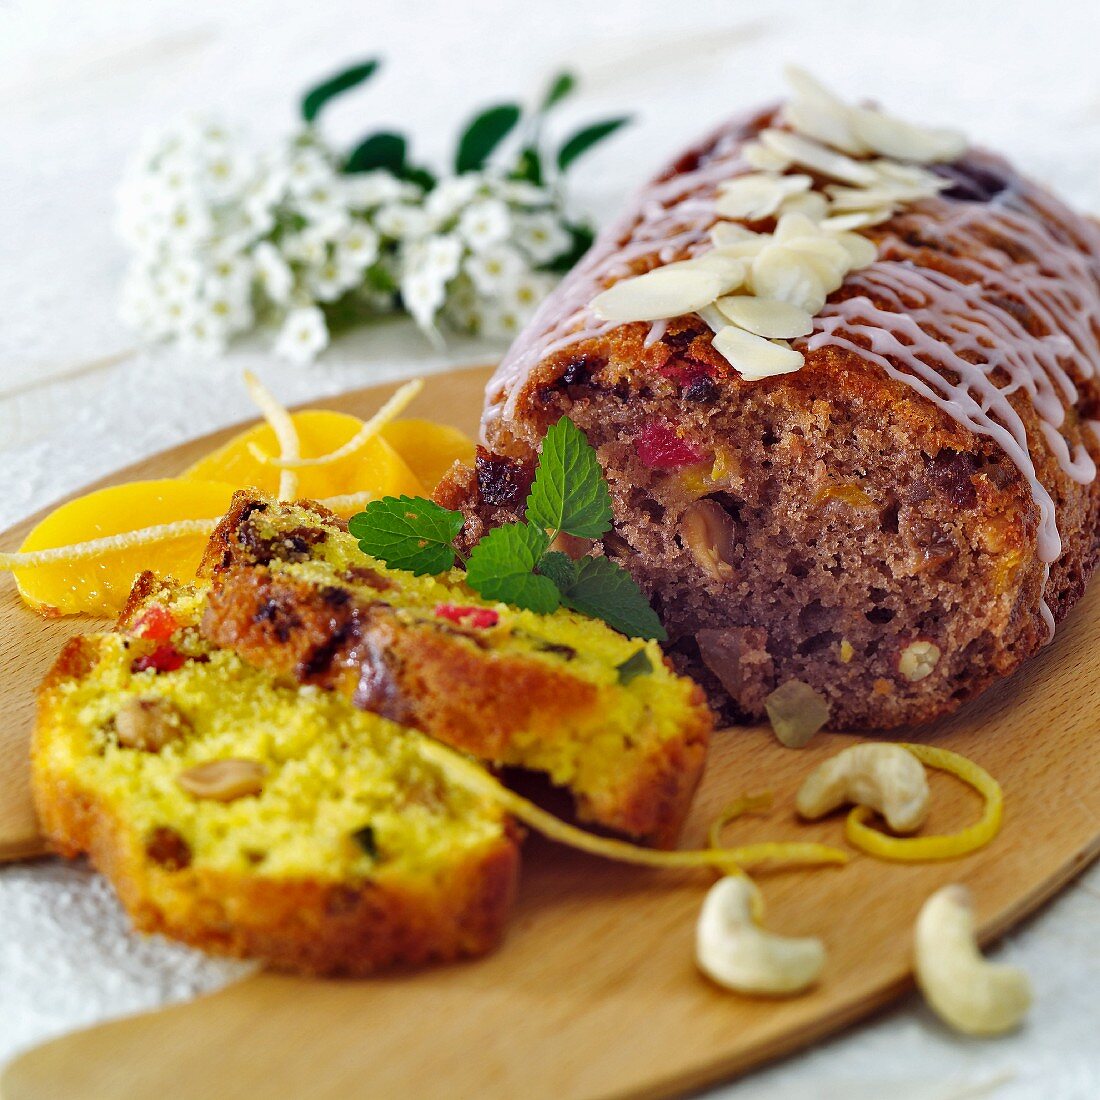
854 516
303 925
431 676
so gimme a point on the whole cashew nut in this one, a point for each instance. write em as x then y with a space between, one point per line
973 996
735 952
882 776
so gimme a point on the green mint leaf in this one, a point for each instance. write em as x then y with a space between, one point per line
561 86
582 238
501 567
382 150
637 664
569 492
408 533
529 166
483 135
604 590
343 81
559 568
587 137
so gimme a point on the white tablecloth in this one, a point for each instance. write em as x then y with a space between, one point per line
79 83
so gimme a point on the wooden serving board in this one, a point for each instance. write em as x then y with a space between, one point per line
594 993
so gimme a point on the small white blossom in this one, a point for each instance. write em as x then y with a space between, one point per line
542 236
356 246
450 195
331 279
484 223
273 272
402 221
308 247
500 321
307 169
422 292
494 268
303 335
365 190
522 193
523 295
188 225
203 333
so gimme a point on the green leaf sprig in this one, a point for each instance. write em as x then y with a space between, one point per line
514 563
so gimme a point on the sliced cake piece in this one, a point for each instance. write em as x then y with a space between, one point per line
602 715
249 816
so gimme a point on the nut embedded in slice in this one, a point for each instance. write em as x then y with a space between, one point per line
796 712
664 292
753 357
706 529
766 317
150 723
223 780
893 137
918 660
757 195
811 154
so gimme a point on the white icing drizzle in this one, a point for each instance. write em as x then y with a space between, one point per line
921 325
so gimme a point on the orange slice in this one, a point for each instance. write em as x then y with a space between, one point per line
99 584
430 449
377 468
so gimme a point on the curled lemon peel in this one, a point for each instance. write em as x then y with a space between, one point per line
392 409
282 424
475 779
949 845
745 804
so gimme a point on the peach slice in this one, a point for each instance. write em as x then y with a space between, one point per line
99 585
430 449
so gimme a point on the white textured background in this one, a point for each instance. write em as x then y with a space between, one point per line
79 83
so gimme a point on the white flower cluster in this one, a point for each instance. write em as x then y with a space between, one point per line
225 240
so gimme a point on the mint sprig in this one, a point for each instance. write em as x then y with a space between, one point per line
513 563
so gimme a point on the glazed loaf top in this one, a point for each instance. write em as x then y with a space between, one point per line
983 301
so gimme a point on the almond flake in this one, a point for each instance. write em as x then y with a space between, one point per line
727 233
811 203
892 137
831 127
858 219
764 159
757 195
794 224
826 249
781 273
730 269
753 357
882 194
766 317
861 250
659 294
813 155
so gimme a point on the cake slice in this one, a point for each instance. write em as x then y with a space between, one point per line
602 715
248 816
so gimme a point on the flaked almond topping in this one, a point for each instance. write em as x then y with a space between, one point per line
818 113
223 780
918 659
861 251
781 273
723 234
706 529
893 137
857 219
150 723
664 292
811 203
757 195
766 317
807 153
753 357
868 198
764 159
796 712
729 268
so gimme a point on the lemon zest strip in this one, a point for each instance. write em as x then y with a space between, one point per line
282 424
948 845
392 409
475 779
745 804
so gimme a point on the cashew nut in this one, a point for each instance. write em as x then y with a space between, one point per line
973 996
735 952
882 776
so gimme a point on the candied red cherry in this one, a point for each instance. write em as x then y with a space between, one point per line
481 617
156 624
660 448
165 658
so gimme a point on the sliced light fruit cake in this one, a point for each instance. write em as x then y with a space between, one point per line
249 816
602 715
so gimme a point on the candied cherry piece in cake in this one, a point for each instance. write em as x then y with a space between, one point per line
660 448
482 617
156 624
165 658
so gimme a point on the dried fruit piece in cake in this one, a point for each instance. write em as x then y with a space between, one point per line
250 817
291 591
